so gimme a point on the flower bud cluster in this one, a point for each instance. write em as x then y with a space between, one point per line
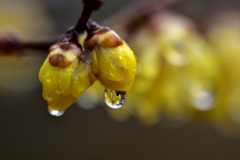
76 61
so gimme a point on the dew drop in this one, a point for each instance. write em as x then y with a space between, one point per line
204 100
58 91
120 57
48 80
114 99
55 113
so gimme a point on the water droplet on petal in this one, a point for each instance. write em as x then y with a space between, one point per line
56 113
58 91
204 100
114 99
120 57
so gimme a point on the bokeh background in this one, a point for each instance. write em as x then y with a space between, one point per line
28 131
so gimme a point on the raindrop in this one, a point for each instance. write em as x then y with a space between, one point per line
204 101
56 113
48 80
114 99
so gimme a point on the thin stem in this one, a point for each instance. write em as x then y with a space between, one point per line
10 44
124 22
81 24
88 8
42 45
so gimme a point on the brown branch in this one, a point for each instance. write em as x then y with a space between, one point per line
88 8
10 44
71 36
124 22
40 45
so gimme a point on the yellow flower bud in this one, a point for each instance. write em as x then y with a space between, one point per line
64 77
114 63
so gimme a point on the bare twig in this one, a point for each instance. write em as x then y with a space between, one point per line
88 8
10 44
124 22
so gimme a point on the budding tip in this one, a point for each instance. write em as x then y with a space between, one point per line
111 40
53 47
59 60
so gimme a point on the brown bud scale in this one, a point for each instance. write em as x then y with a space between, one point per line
59 60
111 40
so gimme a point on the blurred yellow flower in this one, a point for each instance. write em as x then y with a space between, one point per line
224 35
17 17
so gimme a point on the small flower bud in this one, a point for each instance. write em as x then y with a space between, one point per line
64 76
115 61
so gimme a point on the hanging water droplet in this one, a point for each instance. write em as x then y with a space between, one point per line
55 113
114 99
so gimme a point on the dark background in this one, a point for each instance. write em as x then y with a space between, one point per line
27 131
